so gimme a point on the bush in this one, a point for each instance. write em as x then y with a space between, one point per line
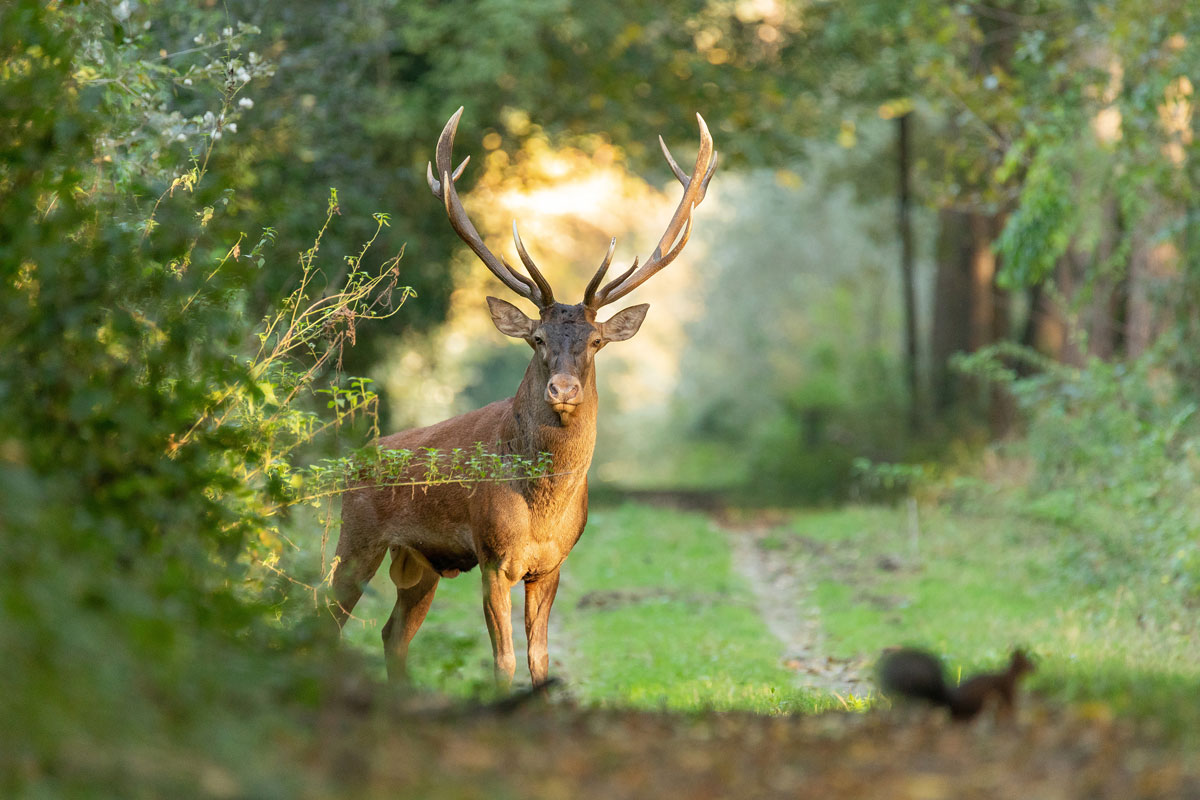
1115 450
154 421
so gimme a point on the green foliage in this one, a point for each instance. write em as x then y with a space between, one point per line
158 410
1073 121
392 468
1112 442
1040 231
118 563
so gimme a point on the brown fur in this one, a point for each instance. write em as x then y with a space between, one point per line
519 531
918 674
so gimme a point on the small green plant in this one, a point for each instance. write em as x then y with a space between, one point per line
887 481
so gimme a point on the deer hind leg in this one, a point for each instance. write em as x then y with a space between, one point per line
355 568
416 581
497 612
539 597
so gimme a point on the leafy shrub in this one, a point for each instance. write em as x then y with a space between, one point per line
158 411
1115 449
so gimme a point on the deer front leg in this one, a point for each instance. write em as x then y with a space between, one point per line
497 612
539 597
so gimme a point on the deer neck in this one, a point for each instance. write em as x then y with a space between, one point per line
539 429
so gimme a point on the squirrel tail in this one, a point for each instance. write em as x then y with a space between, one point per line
916 674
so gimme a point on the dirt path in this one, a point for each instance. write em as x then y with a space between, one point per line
783 587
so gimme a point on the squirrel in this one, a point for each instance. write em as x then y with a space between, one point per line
918 674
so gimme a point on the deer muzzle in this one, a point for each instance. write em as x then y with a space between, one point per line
564 392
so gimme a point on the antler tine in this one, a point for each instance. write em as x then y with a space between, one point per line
543 285
678 248
445 191
680 174
435 184
589 294
712 167
524 281
683 177
695 186
614 283
443 156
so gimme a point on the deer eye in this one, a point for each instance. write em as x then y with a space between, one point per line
595 342
539 339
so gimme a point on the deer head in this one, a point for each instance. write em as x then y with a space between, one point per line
566 338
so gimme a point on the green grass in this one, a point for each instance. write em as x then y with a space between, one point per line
451 653
661 621
971 587
654 616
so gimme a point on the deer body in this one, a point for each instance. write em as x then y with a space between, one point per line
515 530
520 530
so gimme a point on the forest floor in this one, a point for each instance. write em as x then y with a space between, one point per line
722 654
562 751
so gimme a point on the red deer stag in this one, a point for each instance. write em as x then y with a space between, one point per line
515 530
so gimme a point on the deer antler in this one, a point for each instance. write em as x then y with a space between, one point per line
537 290
589 294
542 284
694 188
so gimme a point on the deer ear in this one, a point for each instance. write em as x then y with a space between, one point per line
510 320
624 324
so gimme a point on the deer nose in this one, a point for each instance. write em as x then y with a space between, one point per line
563 389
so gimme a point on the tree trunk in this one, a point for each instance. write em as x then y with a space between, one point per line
983 280
989 314
951 307
908 281
1093 320
970 312
1153 269
1046 328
